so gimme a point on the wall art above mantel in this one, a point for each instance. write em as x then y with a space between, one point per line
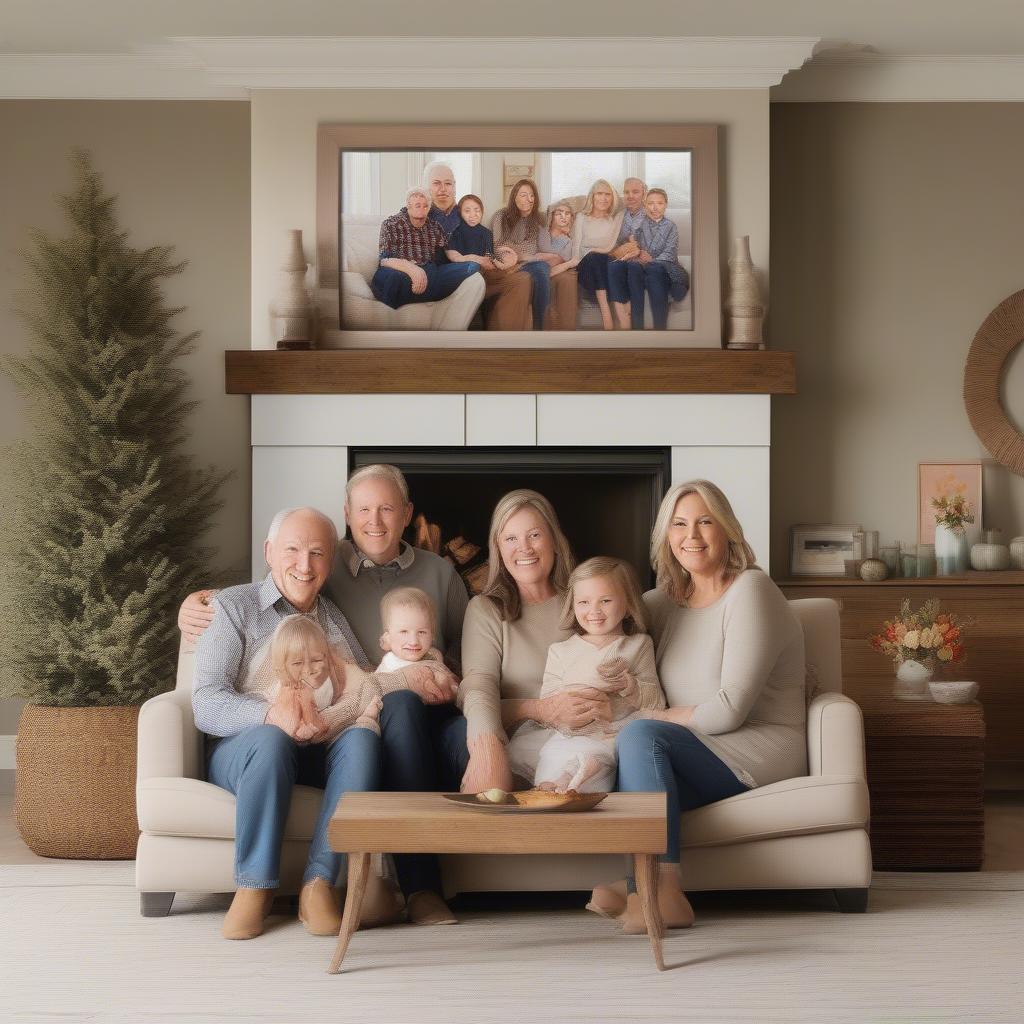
365 172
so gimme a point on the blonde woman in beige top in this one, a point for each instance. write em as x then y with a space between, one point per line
730 657
506 635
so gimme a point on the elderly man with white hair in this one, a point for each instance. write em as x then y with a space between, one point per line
254 752
413 266
439 181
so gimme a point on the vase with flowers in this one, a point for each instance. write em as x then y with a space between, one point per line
952 514
918 641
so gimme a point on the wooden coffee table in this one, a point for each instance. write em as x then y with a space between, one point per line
366 823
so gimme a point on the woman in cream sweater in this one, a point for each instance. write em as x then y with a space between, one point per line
730 657
594 235
506 635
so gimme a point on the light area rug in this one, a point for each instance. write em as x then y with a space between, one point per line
73 947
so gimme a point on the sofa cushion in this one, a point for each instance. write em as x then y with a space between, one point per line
815 803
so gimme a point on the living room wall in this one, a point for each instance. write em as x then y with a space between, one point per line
896 228
181 172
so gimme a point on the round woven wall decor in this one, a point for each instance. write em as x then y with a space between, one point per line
998 336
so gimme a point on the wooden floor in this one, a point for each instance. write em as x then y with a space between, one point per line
1004 833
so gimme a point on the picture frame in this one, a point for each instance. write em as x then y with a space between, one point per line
821 549
934 478
700 141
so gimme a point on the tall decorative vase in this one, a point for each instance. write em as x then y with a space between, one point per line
744 309
952 552
291 305
912 680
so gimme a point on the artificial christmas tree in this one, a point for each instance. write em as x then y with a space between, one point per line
102 537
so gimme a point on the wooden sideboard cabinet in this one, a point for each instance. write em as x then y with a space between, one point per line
995 647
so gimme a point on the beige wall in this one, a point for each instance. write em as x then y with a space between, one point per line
284 152
181 171
895 230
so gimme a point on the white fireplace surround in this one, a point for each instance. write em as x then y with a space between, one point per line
300 442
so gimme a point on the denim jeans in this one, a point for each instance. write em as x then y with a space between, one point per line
540 274
424 750
260 766
627 282
661 757
394 288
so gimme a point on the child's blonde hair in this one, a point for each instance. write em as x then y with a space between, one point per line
408 597
295 634
635 620
560 206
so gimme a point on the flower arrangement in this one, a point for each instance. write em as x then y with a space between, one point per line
950 504
925 635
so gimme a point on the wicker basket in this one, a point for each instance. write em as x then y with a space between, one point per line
75 785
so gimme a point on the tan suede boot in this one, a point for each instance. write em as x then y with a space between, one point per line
318 908
248 911
608 900
426 907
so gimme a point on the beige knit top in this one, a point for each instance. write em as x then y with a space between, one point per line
504 660
740 662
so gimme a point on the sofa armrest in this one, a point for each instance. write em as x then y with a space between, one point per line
835 736
169 745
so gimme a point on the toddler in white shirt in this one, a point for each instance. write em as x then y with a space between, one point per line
410 621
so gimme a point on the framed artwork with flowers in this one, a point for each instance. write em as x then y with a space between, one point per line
949 493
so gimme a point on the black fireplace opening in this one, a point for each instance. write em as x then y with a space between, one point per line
606 498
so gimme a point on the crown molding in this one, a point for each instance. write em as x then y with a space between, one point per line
865 77
191 67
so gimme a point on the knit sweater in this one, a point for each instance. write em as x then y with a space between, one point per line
589 233
740 663
504 660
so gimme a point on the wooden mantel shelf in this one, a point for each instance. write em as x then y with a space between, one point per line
510 371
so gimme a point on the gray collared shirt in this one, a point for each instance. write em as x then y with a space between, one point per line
244 621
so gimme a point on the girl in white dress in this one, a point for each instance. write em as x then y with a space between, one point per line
609 650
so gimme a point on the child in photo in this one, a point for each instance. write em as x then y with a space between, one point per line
658 260
410 621
309 679
556 238
471 241
610 651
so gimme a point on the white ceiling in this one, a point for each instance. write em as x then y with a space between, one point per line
921 27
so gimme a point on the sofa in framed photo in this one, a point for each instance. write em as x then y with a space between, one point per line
365 173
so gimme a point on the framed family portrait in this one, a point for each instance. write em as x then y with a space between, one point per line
938 480
822 549
541 236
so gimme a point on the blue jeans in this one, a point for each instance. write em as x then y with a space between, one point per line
540 274
260 766
424 750
627 282
394 288
659 757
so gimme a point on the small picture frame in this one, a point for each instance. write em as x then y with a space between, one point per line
822 549
935 479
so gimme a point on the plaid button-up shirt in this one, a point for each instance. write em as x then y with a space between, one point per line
401 240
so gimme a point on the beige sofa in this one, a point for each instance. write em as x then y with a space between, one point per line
805 833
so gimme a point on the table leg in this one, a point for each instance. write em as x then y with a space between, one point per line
646 870
358 868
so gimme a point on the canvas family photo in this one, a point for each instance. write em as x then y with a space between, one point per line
515 241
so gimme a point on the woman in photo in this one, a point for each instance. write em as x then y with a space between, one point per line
593 237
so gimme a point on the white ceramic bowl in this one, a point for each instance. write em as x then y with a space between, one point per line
946 691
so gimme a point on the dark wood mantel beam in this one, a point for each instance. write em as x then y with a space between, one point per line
510 371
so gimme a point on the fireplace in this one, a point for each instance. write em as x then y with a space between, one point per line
606 498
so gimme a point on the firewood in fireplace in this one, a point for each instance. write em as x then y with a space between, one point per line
476 578
461 551
426 535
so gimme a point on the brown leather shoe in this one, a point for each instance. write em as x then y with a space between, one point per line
426 907
248 911
318 908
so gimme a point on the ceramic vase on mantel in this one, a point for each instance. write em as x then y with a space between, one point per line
952 552
912 680
744 308
291 306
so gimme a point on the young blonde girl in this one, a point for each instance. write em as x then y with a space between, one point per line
308 678
609 650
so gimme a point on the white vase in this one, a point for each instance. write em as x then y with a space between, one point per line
952 553
291 304
912 680
744 307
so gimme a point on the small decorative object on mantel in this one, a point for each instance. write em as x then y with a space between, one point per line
1017 552
990 555
291 305
824 549
917 641
873 570
953 691
744 309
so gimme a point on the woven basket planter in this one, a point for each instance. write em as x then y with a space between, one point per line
75 786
